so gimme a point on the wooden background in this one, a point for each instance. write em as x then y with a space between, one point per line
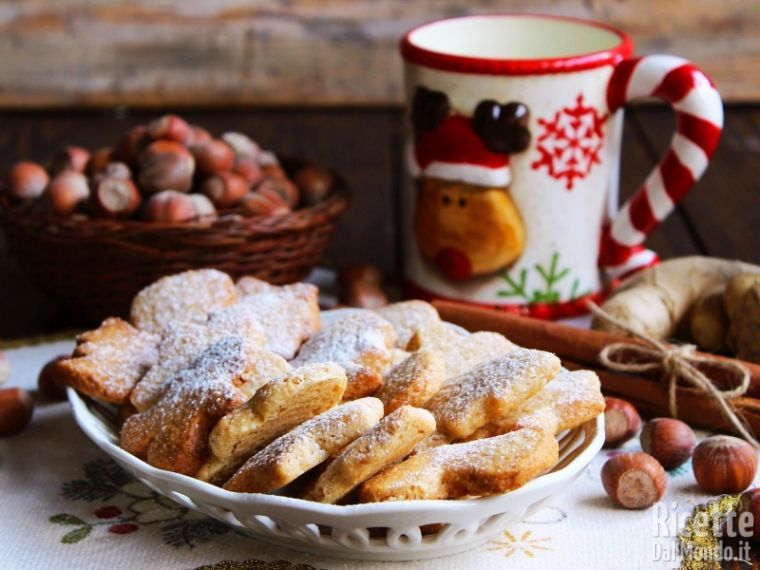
321 79
325 52
719 217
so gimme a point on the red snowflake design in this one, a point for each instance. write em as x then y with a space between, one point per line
571 142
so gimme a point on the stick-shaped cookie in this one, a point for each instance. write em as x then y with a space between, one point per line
477 468
275 409
173 434
408 318
308 445
569 400
491 390
184 297
414 381
361 343
388 442
109 361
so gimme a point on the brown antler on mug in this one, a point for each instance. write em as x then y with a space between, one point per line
503 128
429 108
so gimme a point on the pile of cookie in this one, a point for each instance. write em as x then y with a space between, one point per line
242 385
166 171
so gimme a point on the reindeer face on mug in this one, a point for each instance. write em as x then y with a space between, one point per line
466 222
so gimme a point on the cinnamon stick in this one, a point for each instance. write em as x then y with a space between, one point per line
650 398
575 344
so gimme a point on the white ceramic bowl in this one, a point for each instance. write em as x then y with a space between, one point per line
354 531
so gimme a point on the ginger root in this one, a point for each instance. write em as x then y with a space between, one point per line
742 303
708 323
685 295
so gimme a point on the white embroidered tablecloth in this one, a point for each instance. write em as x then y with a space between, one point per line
64 504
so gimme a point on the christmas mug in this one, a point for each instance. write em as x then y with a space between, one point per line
516 124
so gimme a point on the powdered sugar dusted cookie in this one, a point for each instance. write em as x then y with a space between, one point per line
288 315
184 297
109 361
242 320
491 390
477 468
409 317
414 381
385 444
275 409
173 434
461 351
360 343
305 447
183 342
569 400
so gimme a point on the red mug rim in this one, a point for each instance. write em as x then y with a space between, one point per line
500 66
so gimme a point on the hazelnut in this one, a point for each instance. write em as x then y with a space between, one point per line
669 441
200 134
272 171
170 128
621 421
169 206
5 368
165 165
225 189
49 383
204 208
283 187
258 204
314 182
16 408
243 145
634 480
749 503
724 464
69 158
99 160
268 158
131 145
213 156
26 180
115 170
114 197
360 287
248 168
67 191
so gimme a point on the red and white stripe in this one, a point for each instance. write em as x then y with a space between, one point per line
699 114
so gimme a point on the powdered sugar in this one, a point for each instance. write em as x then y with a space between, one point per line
287 315
490 390
353 342
185 297
408 318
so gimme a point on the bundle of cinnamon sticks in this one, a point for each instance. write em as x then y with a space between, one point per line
579 348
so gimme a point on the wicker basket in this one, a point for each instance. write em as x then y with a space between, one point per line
95 267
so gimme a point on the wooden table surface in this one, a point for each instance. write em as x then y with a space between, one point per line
720 217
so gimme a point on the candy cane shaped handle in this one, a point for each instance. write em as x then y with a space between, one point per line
699 114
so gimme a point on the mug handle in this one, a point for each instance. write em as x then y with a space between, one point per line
699 120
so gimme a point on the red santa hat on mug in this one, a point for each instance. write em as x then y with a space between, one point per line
453 151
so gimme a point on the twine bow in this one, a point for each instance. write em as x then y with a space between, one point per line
677 361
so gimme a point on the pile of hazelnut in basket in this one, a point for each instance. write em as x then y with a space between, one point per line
248 386
166 171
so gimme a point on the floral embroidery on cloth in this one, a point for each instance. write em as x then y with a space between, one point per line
126 505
